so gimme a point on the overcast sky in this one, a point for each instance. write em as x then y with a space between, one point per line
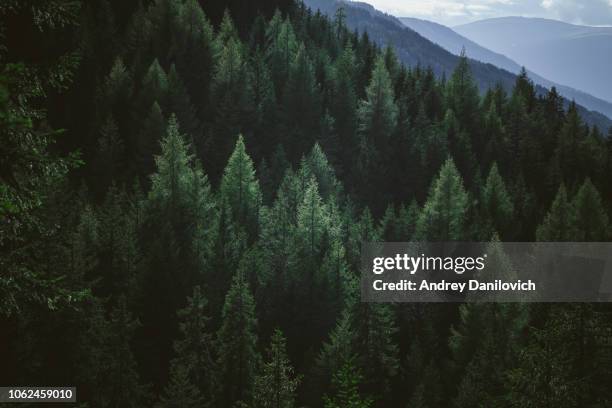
454 12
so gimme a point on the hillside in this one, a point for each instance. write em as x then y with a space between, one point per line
577 56
413 49
454 42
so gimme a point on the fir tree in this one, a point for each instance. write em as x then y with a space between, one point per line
443 217
346 389
276 384
240 189
591 222
236 346
559 223
496 203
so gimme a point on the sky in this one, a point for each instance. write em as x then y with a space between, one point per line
455 12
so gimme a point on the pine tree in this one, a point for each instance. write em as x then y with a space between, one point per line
443 217
496 203
236 346
233 102
194 354
377 116
591 222
282 46
559 224
375 350
311 220
301 103
462 94
240 190
195 51
124 385
346 383
276 384
180 391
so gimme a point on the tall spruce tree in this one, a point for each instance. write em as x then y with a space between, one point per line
237 346
240 190
592 222
276 383
443 218
377 119
560 222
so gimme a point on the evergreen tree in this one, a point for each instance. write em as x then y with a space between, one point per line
591 223
236 346
276 384
377 116
346 387
193 364
559 224
443 217
240 190
462 94
195 50
301 103
233 103
496 203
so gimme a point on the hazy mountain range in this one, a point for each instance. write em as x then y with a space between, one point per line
454 42
576 56
414 49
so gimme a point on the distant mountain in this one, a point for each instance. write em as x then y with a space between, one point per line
454 42
577 56
413 49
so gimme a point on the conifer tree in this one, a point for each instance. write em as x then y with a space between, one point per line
374 345
443 217
124 384
276 383
301 103
193 350
233 102
236 346
281 50
559 224
240 190
312 220
179 102
591 223
180 391
377 117
496 203
346 383
195 51
462 94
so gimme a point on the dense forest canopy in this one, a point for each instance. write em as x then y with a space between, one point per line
185 189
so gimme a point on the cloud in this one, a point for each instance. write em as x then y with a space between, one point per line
589 12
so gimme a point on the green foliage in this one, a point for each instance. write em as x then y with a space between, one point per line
276 384
496 202
236 346
444 214
348 143
240 189
560 222
346 386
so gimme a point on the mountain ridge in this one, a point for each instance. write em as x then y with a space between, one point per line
415 50
577 56
453 42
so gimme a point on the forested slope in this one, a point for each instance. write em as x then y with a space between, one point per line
192 237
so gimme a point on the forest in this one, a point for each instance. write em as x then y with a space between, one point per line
185 187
